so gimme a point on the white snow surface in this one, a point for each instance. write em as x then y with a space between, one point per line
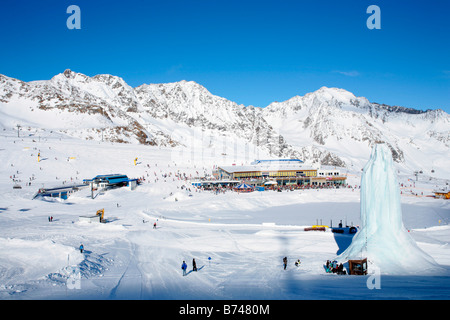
245 236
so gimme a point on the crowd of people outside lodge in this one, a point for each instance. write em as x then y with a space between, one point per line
219 188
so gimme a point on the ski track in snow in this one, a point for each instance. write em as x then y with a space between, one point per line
128 276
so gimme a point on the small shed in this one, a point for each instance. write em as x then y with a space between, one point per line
132 184
89 219
97 218
358 267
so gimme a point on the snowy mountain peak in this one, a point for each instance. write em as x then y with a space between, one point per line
333 93
68 73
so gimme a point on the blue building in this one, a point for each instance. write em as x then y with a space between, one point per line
60 192
270 161
112 181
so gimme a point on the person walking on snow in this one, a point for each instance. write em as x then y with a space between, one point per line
81 248
184 267
194 265
285 262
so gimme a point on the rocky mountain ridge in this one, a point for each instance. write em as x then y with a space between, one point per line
330 126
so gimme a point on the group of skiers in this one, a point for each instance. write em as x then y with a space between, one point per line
184 266
296 263
194 265
330 266
334 267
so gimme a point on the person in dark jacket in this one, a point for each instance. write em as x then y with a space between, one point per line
285 262
194 265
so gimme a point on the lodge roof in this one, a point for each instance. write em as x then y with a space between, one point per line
264 167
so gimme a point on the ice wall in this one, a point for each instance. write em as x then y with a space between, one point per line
382 237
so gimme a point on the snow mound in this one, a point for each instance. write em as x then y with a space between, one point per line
33 260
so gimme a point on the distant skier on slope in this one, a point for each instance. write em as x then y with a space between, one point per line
285 262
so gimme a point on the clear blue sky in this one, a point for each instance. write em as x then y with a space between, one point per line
251 52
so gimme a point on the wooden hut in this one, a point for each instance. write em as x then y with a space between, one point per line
358 267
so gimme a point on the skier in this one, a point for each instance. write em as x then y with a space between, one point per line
154 225
340 269
194 265
81 248
285 262
184 267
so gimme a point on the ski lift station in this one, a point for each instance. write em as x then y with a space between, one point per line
61 192
100 182
111 181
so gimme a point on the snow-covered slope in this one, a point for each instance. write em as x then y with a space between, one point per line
105 107
246 235
92 108
187 102
329 126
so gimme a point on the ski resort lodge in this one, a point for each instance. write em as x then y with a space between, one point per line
282 171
